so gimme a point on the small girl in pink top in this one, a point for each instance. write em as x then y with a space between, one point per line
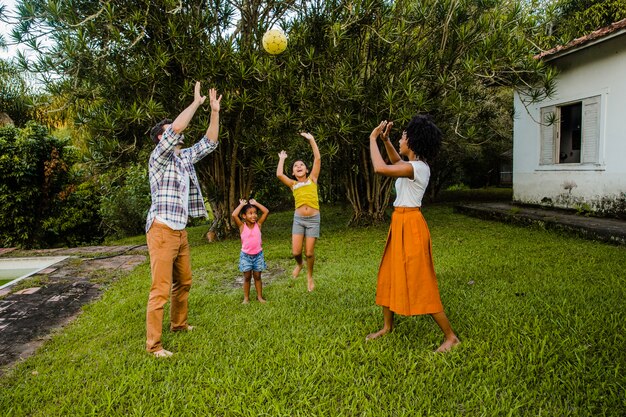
251 259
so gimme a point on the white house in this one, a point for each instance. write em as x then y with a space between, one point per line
569 151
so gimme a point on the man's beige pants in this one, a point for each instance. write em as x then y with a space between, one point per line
170 263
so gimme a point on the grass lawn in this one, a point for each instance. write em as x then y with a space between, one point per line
541 318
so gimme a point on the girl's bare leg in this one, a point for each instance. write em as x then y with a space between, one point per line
444 324
258 285
296 250
310 261
387 325
246 286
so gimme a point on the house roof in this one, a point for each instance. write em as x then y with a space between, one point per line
603 34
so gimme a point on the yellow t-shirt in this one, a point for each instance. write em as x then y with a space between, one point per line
306 193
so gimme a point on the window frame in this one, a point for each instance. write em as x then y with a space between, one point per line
591 139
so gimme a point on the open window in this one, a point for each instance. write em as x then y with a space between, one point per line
570 132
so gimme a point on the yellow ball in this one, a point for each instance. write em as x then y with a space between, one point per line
274 41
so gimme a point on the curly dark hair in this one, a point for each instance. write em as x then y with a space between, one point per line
157 130
423 137
245 208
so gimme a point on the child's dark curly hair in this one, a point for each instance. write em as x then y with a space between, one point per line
244 209
423 137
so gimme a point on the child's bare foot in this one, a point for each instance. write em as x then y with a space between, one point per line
261 300
378 334
296 270
245 301
310 286
448 344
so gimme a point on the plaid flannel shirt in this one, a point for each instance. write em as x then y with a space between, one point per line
165 182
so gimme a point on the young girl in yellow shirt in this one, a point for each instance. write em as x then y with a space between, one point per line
306 219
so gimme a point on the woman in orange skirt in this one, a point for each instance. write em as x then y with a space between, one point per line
407 283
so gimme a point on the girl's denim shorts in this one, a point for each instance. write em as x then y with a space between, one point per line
252 262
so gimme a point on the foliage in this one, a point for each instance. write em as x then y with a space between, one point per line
34 172
540 318
121 67
575 18
125 200
454 60
14 94
75 219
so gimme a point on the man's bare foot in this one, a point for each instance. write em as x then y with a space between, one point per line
378 334
296 270
245 301
261 300
310 286
448 344
162 353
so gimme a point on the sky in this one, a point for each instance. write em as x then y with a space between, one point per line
6 29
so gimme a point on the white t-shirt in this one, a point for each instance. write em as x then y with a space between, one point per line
409 192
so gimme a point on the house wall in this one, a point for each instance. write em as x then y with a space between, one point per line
596 70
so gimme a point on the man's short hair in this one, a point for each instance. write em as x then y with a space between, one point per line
157 130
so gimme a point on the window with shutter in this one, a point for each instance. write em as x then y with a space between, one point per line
570 133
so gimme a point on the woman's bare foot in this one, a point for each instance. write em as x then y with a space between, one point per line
261 300
378 334
310 284
448 344
296 270
245 301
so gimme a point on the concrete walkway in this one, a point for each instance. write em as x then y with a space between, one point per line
33 308
594 228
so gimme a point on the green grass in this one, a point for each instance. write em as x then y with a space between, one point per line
541 318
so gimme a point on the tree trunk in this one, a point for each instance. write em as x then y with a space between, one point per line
368 193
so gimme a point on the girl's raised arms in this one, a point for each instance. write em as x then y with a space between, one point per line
317 159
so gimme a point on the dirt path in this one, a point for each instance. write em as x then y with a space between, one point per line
34 308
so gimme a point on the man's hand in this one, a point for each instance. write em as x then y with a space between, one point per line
214 100
197 97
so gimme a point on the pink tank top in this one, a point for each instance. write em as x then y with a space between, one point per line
251 239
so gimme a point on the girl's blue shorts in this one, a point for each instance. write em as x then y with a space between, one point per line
252 262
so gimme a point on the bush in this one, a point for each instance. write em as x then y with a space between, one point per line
34 169
77 219
125 201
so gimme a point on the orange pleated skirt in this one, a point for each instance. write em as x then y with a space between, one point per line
407 283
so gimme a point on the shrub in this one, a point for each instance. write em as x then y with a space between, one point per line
34 169
125 201
76 220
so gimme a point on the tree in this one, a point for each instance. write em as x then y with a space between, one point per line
14 94
379 60
575 18
121 67
39 205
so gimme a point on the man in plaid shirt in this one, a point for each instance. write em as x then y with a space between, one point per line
175 196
